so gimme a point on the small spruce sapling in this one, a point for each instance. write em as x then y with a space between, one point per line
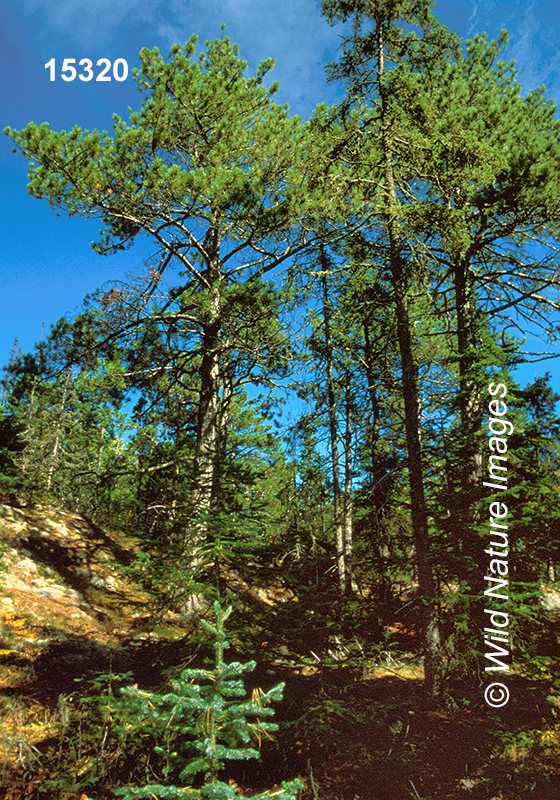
206 719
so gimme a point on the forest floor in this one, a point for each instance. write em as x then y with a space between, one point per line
71 617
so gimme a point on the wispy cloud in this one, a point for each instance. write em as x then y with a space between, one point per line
491 16
533 42
540 64
293 32
94 22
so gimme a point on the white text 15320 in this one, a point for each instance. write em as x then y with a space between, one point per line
84 70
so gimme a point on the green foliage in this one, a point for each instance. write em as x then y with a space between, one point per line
11 445
96 738
441 180
204 720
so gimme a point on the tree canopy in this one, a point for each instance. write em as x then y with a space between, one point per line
376 266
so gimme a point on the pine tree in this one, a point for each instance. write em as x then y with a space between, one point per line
208 170
204 720
490 162
376 66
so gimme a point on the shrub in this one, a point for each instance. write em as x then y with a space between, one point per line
204 720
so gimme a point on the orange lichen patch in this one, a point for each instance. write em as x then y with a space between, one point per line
24 726
14 629
58 566
48 617
271 594
413 672
401 628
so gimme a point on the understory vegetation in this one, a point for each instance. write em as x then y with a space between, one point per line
284 421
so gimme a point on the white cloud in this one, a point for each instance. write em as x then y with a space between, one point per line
293 32
91 22
490 16
533 42
534 49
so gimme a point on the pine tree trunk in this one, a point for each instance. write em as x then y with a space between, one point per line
333 430
206 445
470 414
52 466
378 494
221 444
411 396
207 428
348 499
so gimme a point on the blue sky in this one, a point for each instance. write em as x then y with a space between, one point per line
47 265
